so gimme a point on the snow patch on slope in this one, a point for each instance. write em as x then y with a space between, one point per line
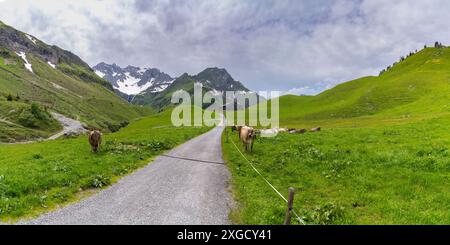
51 64
134 80
161 87
100 74
24 58
31 38
130 85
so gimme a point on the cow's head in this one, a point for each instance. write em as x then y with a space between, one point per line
251 134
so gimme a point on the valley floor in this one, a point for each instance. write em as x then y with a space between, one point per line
38 177
385 174
187 185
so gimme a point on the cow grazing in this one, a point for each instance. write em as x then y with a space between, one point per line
297 131
247 135
315 129
95 139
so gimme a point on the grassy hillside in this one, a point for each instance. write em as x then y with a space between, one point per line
37 177
381 158
70 88
416 88
21 121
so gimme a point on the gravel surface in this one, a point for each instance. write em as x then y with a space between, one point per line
70 126
188 185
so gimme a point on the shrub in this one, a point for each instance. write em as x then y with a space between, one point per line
124 123
37 156
112 127
5 53
325 214
36 117
37 112
27 119
99 181
438 45
115 127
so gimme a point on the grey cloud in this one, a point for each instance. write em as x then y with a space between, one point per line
267 44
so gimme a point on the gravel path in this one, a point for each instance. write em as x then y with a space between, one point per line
69 126
188 185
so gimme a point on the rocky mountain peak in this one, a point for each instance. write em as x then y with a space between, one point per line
133 80
219 79
18 42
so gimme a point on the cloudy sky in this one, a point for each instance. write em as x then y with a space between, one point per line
301 46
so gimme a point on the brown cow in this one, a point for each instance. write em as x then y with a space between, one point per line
247 135
95 139
315 129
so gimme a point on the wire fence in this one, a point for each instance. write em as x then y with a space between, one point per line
268 183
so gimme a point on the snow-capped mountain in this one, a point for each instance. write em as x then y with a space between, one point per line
150 86
213 79
133 80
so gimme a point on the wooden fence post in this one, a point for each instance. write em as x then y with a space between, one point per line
287 219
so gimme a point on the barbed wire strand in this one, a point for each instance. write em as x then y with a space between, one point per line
273 187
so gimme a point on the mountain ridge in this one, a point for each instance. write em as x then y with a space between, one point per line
158 91
37 78
132 80
212 79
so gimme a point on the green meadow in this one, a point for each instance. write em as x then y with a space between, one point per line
41 176
382 157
